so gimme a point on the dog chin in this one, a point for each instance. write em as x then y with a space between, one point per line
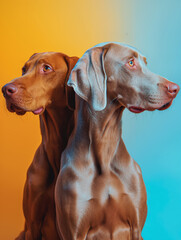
13 108
135 109
165 106
159 107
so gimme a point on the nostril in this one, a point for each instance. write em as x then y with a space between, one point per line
173 91
173 88
10 89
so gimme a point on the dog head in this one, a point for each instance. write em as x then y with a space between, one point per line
42 84
113 71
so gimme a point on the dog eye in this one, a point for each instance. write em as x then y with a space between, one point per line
131 63
23 70
47 68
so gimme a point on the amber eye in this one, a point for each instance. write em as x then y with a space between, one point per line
47 68
131 63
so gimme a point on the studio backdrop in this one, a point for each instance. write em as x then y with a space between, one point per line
152 138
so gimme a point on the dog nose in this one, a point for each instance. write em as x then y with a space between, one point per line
173 88
9 89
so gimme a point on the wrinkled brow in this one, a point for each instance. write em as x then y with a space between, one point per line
132 54
33 63
26 66
135 54
42 60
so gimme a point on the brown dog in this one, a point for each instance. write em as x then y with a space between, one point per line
100 193
42 90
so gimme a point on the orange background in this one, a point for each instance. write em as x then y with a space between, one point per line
71 27
29 26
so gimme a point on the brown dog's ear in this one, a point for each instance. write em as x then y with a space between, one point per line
69 92
89 80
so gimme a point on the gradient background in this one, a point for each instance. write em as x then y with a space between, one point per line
152 138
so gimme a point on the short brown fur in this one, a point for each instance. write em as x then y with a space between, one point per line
48 91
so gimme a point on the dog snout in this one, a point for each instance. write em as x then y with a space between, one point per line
9 90
171 88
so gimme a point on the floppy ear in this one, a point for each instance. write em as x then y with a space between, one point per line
69 92
89 80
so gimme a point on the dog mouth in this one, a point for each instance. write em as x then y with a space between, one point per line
13 108
136 109
139 109
165 106
20 111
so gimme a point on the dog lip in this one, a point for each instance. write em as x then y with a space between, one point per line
136 109
165 106
38 111
13 108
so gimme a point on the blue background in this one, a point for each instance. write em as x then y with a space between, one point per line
154 138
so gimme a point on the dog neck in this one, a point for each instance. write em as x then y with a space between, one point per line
102 130
56 126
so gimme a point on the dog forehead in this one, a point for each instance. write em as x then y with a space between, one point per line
33 58
117 44
118 50
53 58
43 55
123 52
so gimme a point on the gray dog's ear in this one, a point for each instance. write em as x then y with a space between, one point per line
89 80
